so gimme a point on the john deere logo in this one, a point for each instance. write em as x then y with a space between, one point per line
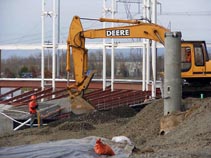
122 32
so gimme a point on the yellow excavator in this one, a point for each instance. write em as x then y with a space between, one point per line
195 63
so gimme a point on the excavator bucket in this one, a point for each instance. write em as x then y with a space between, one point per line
80 106
77 104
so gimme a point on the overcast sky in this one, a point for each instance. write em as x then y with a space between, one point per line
21 19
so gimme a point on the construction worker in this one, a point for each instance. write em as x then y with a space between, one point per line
33 107
188 55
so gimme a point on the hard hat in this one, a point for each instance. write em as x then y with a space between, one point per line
33 97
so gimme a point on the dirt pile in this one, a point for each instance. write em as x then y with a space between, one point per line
145 125
192 138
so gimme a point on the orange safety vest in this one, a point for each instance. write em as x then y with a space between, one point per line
32 107
188 59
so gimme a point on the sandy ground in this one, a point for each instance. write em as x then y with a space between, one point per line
192 138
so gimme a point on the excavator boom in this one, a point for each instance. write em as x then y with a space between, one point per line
77 36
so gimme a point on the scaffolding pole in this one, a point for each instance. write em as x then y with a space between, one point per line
54 48
148 16
144 53
154 52
104 48
43 47
112 48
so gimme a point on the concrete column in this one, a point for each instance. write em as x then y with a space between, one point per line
172 73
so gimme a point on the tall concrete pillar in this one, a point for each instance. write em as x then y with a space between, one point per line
172 73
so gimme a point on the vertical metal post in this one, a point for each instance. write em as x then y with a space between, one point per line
147 16
144 67
172 71
112 50
147 64
54 46
154 52
144 54
43 47
104 65
104 48
58 41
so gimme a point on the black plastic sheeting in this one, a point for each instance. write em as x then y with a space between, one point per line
72 148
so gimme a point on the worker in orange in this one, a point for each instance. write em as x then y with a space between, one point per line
188 56
33 107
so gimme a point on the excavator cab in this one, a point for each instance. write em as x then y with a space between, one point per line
195 63
185 58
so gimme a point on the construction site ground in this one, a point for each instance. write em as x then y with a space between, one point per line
192 138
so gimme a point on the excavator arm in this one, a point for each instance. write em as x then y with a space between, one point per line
80 58
76 40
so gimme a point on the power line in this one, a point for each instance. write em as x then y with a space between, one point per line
193 13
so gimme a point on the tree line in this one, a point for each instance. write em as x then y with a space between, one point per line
126 65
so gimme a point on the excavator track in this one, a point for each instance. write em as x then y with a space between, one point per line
197 91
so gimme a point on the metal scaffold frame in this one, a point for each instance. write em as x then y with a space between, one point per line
53 46
149 10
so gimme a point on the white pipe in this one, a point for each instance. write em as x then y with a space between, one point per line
144 68
16 111
10 118
104 48
147 63
54 48
112 65
43 49
104 66
16 120
154 53
144 53
112 50
58 40
147 16
22 124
